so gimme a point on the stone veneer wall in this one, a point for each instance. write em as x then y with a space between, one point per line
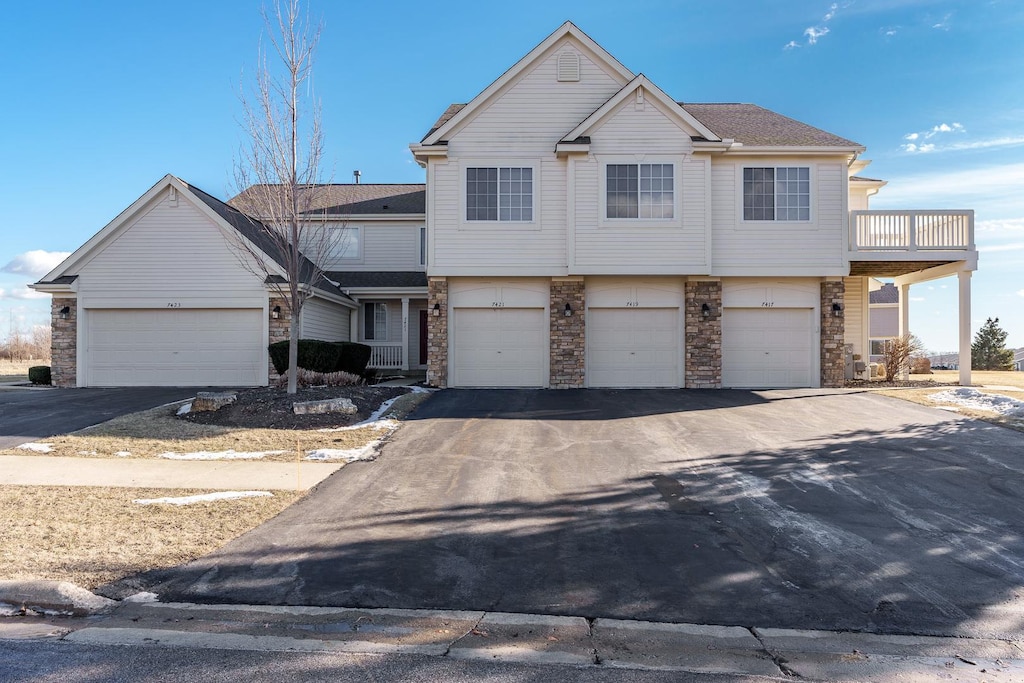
64 343
437 333
279 329
568 334
832 331
703 335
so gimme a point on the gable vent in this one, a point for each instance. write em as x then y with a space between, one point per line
568 67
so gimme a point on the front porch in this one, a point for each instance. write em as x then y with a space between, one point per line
395 330
914 246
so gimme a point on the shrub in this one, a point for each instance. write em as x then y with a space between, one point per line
309 378
353 357
39 374
920 366
315 355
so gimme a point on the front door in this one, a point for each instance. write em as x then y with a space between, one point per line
423 337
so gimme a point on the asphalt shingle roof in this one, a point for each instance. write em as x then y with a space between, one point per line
888 294
360 199
349 279
749 124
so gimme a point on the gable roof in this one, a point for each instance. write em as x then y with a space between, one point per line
568 29
355 199
888 293
756 126
672 108
227 217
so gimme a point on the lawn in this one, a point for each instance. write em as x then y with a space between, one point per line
17 371
91 536
1009 384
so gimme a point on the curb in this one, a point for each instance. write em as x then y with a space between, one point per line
53 598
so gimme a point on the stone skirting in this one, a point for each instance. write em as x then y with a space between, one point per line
64 342
279 328
568 334
437 333
703 340
833 328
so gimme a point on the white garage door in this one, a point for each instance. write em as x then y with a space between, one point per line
499 347
175 347
768 347
633 347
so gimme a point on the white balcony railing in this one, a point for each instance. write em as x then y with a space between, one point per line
385 356
911 231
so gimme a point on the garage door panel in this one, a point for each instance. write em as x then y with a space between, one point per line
768 347
178 347
633 347
499 347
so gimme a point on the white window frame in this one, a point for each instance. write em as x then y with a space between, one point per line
532 224
811 184
356 231
380 317
423 246
634 160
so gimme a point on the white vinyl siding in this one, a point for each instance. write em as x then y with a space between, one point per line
325 320
810 248
383 246
174 347
855 314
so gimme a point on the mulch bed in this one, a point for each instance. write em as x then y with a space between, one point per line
897 384
271 408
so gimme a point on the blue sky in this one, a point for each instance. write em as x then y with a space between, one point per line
103 99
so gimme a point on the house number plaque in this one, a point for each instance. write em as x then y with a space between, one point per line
767 304
174 304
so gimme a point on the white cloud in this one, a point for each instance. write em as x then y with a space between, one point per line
912 148
945 128
918 298
831 12
35 263
911 136
790 45
1020 292
997 186
943 24
813 33
1000 226
21 293
889 31
1013 246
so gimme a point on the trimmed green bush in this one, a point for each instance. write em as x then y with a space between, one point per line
315 355
39 374
353 358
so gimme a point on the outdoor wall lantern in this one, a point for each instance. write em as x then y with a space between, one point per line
568 309
837 310
276 313
437 309
65 313
705 310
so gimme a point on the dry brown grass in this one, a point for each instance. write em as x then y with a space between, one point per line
91 536
149 433
982 379
17 371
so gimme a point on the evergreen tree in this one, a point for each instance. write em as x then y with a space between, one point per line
989 352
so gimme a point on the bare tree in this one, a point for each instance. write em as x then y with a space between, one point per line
897 354
277 174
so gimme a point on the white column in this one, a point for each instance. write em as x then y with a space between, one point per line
405 333
964 279
904 320
353 323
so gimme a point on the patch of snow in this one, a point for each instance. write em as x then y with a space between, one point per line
367 452
203 498
144 596
37 447
374 421
219 455
9 610
952 409
87 452
972 398
123 454
185 408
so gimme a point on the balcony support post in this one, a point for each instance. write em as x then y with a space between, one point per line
904 288
405 333
964 280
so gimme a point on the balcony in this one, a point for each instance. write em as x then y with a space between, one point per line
386 356
892 243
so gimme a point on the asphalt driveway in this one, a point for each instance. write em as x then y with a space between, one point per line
31 414
799 509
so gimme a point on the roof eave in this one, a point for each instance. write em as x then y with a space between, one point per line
804 150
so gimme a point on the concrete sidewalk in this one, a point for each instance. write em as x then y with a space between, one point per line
40 470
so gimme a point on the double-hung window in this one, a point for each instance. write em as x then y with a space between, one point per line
375 322
640 191
499 194
781 193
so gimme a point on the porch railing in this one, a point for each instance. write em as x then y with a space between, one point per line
912 230
385 356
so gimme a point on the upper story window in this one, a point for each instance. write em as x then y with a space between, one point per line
640 191
499 194
780 193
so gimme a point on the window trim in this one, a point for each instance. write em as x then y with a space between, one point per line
357 230
811 194
467 224
423 246
372 327
618 160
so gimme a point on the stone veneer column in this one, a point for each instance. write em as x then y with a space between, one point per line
703 335
568 333
437 332
64 343
833 328
280 328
